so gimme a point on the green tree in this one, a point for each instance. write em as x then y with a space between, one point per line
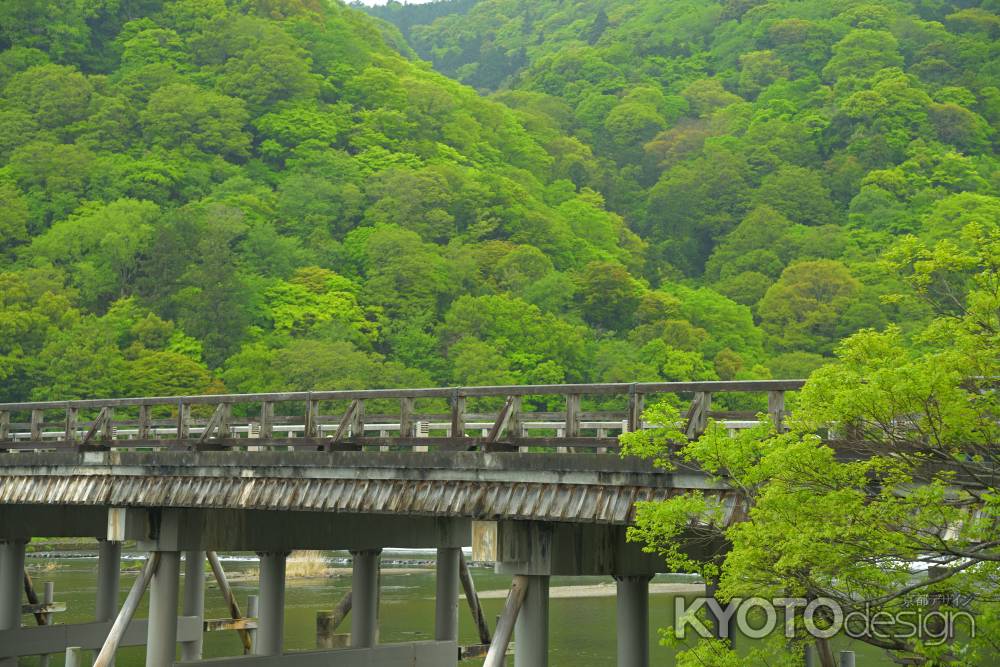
802 310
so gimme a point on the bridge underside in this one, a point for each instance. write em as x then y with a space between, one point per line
536 515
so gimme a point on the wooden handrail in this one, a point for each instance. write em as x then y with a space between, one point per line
600 389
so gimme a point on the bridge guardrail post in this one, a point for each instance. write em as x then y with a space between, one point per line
358 421
776 408
266 420
4 426
72 413
636 405
457 415
145 421
183 421
108 428
37 424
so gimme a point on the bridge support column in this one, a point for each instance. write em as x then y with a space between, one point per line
271 604
161 634
364 594
194 599
633 621
531 632
446 602
11 585
109 561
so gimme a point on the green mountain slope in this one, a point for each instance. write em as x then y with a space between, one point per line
246 196
740 137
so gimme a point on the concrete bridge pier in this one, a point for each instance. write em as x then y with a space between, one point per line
446 597
194 599
271 603
161 637
11 585
531 632
109 562
365 595
633 620
538 550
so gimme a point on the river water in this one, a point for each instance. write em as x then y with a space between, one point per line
582 629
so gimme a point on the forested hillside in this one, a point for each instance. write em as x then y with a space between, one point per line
767 149
202 195
208 196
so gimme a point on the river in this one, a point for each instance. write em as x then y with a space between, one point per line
582 629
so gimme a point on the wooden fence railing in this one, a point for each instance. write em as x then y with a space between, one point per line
589 417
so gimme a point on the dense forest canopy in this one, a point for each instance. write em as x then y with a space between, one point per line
249 195
757 146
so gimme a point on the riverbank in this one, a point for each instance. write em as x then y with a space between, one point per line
603 590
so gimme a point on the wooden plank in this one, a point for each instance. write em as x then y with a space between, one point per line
472 597
501 421
230 597
96 427
40 609
106 657
223 624
213 424
496 656
697 415
346 422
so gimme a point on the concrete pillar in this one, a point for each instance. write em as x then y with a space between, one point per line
109 561
164 591
194 599
271 604
446 600
11 587
531 632
364 588
633 621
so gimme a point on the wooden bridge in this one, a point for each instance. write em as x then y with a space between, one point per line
528 475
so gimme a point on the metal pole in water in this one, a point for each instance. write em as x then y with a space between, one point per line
446 602
847 659
253 609
48 597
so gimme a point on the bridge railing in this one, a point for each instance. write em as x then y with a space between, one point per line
590 418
